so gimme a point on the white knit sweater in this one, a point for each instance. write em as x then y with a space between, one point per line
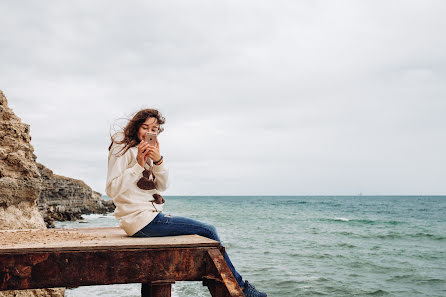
134 207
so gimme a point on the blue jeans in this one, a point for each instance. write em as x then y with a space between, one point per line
163 225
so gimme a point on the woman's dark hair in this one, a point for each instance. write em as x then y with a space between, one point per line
130 132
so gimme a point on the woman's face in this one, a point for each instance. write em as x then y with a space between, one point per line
150 125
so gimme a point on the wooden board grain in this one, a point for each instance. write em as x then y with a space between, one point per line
87 239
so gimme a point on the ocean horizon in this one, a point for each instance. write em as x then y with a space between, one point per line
364 245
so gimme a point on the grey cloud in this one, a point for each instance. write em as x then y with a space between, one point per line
343 96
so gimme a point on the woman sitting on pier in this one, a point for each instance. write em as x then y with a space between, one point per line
136 174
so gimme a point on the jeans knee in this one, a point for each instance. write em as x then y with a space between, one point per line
212 232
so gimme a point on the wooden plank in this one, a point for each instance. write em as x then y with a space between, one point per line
86 239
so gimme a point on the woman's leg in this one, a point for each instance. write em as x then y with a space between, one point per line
163 225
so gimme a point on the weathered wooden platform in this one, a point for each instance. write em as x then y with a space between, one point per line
49 258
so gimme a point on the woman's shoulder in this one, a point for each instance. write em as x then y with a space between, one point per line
117 137
118 147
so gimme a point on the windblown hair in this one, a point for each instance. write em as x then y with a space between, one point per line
130 132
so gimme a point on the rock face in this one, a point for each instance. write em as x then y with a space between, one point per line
20 184
66 199
20 181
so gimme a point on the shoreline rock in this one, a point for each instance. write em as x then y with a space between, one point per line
67 199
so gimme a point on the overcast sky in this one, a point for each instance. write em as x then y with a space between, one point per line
260 97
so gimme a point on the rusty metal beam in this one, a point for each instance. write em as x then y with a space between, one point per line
157 289
76 268
219 278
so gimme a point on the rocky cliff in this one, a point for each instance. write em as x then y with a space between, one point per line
20 184
66 199
20 181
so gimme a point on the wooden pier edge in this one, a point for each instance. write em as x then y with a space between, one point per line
109 256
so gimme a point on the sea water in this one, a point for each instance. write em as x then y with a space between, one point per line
315 246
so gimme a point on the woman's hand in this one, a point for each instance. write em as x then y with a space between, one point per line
154 152
143 153
148 151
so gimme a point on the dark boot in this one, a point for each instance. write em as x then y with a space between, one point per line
250 291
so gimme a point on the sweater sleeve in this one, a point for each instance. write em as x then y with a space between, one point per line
161 173
119 175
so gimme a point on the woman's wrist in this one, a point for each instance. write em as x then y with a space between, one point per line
159 162
140 162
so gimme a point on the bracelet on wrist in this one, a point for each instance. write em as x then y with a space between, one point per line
159 161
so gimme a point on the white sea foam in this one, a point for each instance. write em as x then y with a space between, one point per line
96 216
342 219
